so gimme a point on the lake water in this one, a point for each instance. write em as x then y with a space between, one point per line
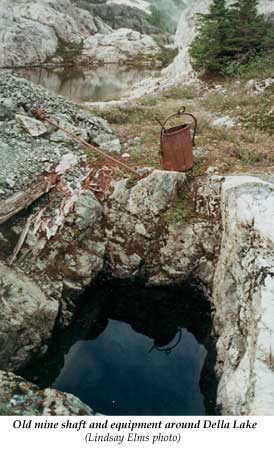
143 351
102 83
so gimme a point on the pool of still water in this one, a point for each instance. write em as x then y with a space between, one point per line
118 374
134 352
85 84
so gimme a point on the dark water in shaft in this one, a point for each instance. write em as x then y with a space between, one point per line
135 351
117 374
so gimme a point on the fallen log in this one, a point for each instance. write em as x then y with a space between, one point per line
21 200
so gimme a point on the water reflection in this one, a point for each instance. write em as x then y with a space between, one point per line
116 374
98 84
135 351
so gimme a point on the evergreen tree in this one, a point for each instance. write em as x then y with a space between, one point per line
208 49
230 36
248 30
268 41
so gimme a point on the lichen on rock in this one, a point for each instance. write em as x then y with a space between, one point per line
27 318
19 397
243 297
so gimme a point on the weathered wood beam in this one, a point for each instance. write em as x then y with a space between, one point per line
21 200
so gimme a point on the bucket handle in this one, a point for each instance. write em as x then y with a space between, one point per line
180 112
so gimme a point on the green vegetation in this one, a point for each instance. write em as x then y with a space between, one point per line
245 147
183 207
247 155
161 20
135 113
261 116
230 101
167 55
208 48
182 92
230 37
261 66
255 113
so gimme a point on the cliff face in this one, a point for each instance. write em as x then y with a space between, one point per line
145 16
35 32
32 32
121 14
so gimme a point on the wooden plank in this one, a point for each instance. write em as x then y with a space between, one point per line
21 200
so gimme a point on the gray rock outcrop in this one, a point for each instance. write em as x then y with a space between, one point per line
243 296
221 236
170 241
35 32
137 14
32 32
36 159
20 398
116 15
166 228
122 46
27 317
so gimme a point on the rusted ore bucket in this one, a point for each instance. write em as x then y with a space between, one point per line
176 143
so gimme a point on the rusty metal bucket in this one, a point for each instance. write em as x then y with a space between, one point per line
176 144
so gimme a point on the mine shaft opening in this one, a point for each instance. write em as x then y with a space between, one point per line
135 350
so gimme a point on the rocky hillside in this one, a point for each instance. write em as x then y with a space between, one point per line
35 32
146 16
62 225
121 14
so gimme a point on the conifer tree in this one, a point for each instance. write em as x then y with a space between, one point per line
268 42
229 36
208 49
248 30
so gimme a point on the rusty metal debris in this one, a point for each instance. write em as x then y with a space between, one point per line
176 143
41 114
